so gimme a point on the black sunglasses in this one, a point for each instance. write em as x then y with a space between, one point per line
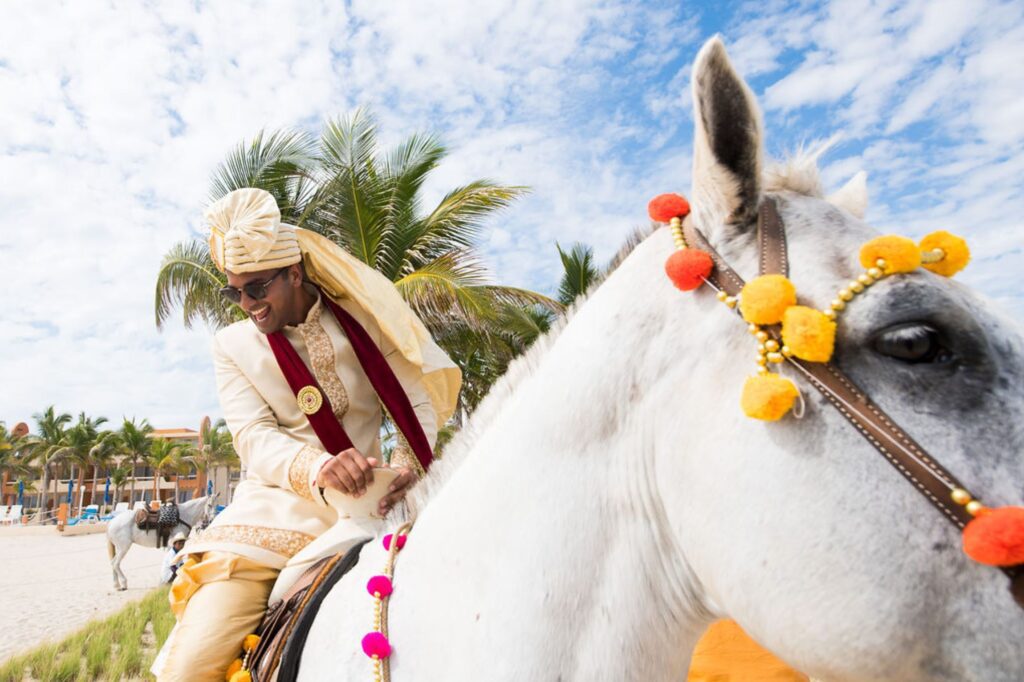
254 290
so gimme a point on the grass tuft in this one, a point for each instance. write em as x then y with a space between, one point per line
119 647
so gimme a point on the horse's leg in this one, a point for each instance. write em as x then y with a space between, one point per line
114 561
120 579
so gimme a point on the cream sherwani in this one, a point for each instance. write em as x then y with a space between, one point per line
277 510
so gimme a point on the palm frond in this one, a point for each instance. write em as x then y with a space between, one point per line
449 289
188 278
458 218
277 162
578 272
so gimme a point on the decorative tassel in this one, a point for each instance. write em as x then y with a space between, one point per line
665 207
955 254
688 268
995 537
764 299
768 396
900 254
808 333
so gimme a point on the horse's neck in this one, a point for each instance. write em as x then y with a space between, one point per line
190 512
553 517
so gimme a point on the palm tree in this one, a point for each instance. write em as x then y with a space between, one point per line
77 449
343 187
167 457
15 462
134 443
119 475
44 447
104 455
215 449
579 273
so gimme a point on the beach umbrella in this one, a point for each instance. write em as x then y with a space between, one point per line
106 491
21 493
71 487
209 487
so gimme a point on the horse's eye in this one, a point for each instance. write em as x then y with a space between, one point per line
913 343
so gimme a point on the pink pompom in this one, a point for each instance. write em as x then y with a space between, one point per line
379 585
376 644
387 541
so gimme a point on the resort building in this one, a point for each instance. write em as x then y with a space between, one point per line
97 489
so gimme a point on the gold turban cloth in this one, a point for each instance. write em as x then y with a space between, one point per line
247 235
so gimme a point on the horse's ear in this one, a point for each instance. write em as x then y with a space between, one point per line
853 196
726 145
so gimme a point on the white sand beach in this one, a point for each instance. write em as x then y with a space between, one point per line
53 585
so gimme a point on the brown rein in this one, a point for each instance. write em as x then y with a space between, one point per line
929 477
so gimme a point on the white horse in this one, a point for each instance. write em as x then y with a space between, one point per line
609 499
122 532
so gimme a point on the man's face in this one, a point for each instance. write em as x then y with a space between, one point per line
178 545
279 305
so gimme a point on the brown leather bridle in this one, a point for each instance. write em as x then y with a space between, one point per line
929 477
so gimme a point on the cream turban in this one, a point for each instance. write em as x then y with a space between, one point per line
246 233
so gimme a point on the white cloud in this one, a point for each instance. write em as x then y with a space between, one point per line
112 125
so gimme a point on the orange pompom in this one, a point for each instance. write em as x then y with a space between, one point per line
764 299
768 397
956 254
995 537
241 676
665 207
899 253
235 666
687 268
809 334
250 642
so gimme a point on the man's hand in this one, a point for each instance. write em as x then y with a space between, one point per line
397 490
348 471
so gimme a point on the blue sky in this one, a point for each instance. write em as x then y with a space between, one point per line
114 118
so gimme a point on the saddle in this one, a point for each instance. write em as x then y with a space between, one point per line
286 624
162 521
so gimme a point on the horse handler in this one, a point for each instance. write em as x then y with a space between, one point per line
328 342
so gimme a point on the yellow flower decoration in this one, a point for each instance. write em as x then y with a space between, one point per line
956 255
241 676
808 333
768 396
764 299
900 254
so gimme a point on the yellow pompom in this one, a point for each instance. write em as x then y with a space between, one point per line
251 642
235 666
765 298
900 254
809 334
241 676
768 396
957 254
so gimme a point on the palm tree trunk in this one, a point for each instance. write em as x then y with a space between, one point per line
45 494
177 496
81 488
131 486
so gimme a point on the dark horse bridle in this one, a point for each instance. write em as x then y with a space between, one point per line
927 476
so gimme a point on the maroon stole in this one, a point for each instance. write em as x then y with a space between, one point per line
328 428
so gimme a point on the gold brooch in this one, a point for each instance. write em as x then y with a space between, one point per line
309 399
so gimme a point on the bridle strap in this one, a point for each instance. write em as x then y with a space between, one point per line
927 476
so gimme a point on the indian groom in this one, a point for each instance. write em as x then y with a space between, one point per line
327 347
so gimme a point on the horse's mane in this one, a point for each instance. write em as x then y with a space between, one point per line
797 173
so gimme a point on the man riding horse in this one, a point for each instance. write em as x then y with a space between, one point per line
303 383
